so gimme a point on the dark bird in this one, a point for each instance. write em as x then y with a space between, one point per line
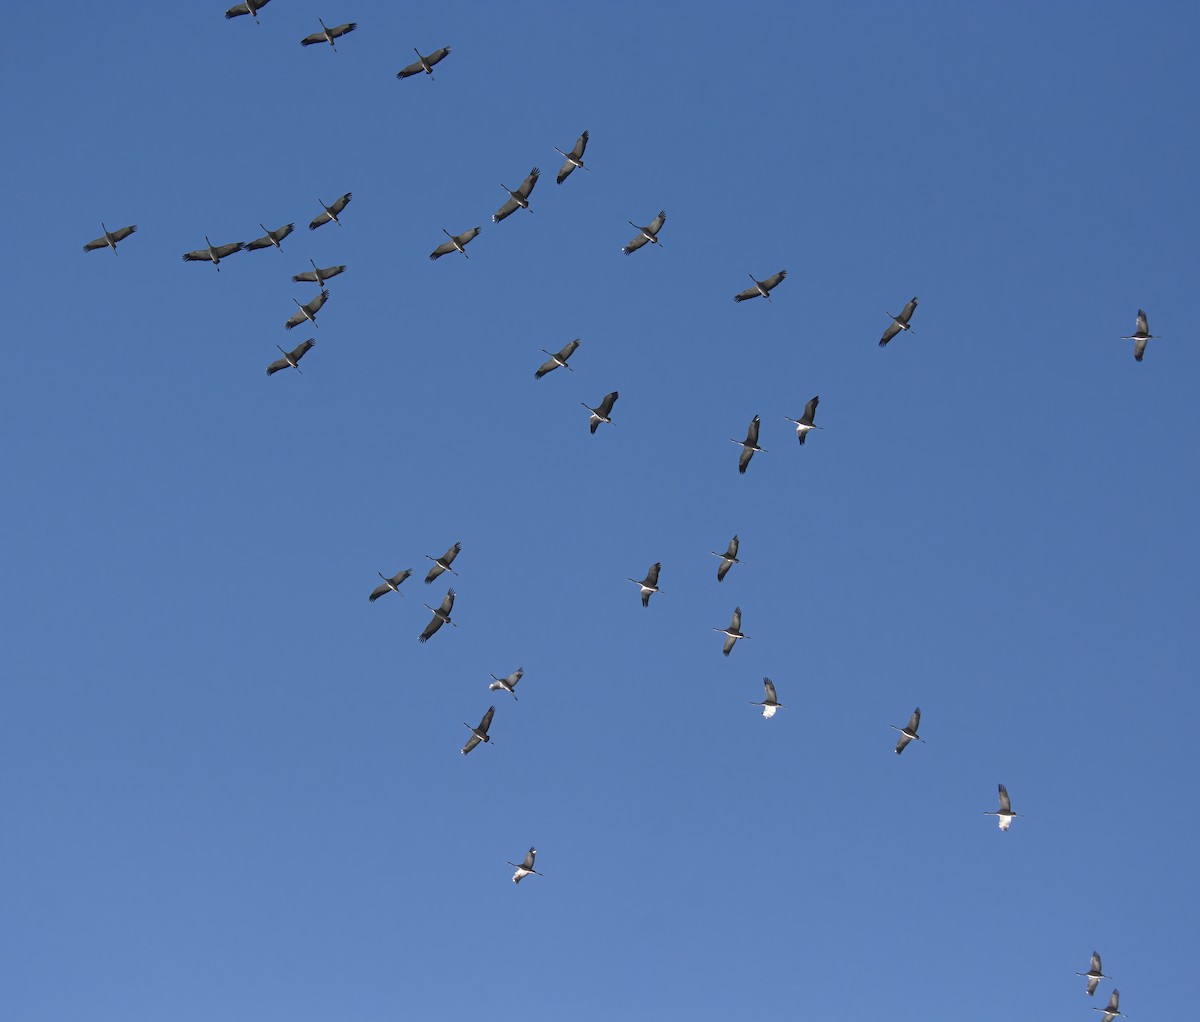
110 238
457 243
307 312
898 323
442 563
1113 1010
728 559
648 235
441 616
390 585
749 445
733 632
249 7
518 199
1005 815
771 703
604 412
270 238
507 684
908 733
331 212
526 867
291 359
649 584
328 35
1139 337
761 288
1094 975
805 422
213 254
317 275
479 734
574 157
555 361
424 63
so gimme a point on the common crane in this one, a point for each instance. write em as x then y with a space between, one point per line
648 235
574 157
307 312
649 584
270 238
442 563
1094 974
330 212
291 359
213 254
771 703
110 238
908 733
518 199
1139 337
898 323
424 63
604 412
1113 1008
390 585
248 7
457 243
526 867
728 559
507 684
1004 815
557 360
328 35
733 632
441 616
479 734
749 445
318 275
761 287
805 422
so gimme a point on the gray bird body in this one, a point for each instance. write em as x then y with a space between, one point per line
728 559
479 734
390 585
291 359
574 158
648 235
557 360
110 238
761 289
603 413
898 323
425 63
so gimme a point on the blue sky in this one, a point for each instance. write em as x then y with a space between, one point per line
233 786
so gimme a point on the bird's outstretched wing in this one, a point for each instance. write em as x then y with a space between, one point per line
907 312
637 243
341 203
735 624
730 641
752 432
769 685
316 37
889 333
810 411
656 224
91 246
509 207
199 256
1139 348
529 858
745 296
580 146
410 70
1143 325
279 363
773 281
469 235
227 250
471 743
914 722
744 459
526 187
340 30
430 628
444 249
486 722
320 219
448 602
1092 983
606 406
437 56
1005 801
652 574
902 743
723 569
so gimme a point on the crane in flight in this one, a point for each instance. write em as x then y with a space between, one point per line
110 238
526 867
424 63
479 734
1140 336
898 323
805 422
291 359
761 288
390 585
771 702
574 158
649 584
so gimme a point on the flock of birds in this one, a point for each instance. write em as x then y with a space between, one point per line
519 199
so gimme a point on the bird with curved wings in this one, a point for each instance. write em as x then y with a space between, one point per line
518 199
507 684
291 359
213 254
110 238
805 422
1094 974
749 445
649 584
1004 815
441 616
307 312
330 212
328 35
1140 336
270 238
733 632
728 559
898 323
390 585
604 412
771 701
526 867
318 275
442 563
424 63
457 243
557 360
248 7
908 733
762 288
574 158
648 235
1113 1009
479 734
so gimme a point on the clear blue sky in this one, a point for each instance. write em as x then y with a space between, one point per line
232 787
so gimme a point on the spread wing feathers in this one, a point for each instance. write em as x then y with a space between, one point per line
486 722
122 233
1143 325
1096 966
744 459
772 282
249 7
769 685
430 628
723 569
907 311
810 411
562 356
1139 348
395 580
735 624
266 241
753 292
312 308
452 553
442 563
1092 983
448 602
199 256
315 276
752 432
914 722
378 591
745 296
294 355
637 243
1005 801
444 249
316 37
656 224
528 863
580 146
1114 1004
652 574
340 204
527 185
471 743
606 406
91 246
227 250
412 69
509 207
732 549
415 69
510 681
729 644
468 236
889 333
902 743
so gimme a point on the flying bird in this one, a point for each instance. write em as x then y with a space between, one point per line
649 584
770 704
110 238
328 35
1005 815
898 323
728 559
457 243
648 235
518 199
291 359
479 734
526 867
318 275
1139 337
331 212
603 413
390 585
733 632
442 563
749 445
507 684
270 238
761 287
424 63
248 7
805 422
908 733
1094 975
441 616
1113 1009
307 312
557 360
574 157
213 254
